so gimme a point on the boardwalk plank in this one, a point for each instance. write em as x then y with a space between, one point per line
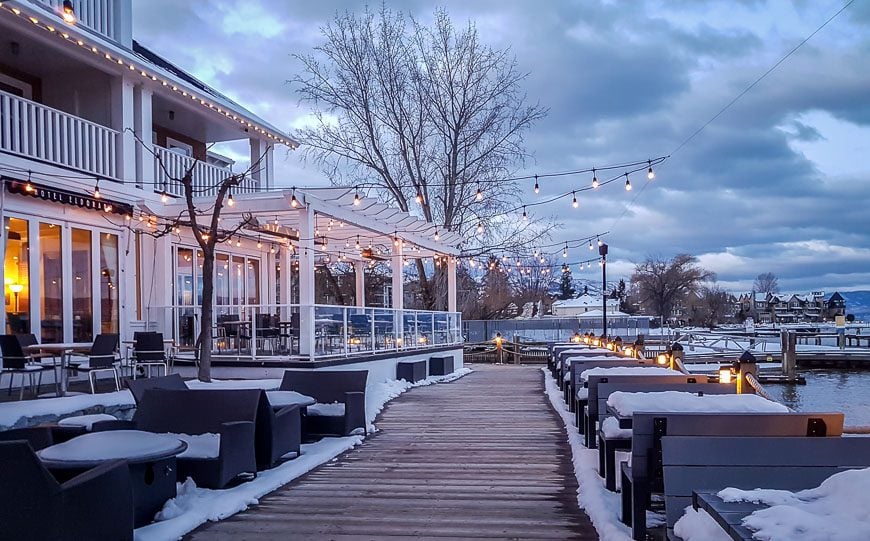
483 457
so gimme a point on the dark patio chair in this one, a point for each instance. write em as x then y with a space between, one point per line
148 351
341 400
15 361
97 504
39 437
102 358
229 413
170 382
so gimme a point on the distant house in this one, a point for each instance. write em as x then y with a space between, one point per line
835 305
792 307
581 305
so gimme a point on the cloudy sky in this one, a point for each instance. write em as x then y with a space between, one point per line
778 183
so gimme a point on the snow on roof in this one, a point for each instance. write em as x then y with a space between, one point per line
600 313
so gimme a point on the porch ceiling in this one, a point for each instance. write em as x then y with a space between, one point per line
339 222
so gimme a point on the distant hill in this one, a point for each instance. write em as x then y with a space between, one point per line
857 303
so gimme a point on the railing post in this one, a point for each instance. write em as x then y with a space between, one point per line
344 329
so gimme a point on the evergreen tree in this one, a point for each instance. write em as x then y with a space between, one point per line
566 285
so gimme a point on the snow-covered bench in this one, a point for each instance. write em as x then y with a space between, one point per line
647 473
575 366
704 464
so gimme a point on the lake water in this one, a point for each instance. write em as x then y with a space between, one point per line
829 390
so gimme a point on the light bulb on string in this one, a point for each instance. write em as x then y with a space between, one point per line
574 202
627 183
259 243
97 193
479 227
600 242
29 188
346 243
594 179
230 200
537 188
565 251
437 236
356 198
238 242
650 174
525 215
419 198
293 201
357 242
590 245
479 195
164 197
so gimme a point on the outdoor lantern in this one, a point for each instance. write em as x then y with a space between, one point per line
595 342
725 373
629 351
662 359
576 338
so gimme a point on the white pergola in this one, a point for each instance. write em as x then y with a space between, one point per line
329 222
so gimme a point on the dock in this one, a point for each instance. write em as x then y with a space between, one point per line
483 457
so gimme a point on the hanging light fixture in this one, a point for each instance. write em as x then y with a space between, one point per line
419 197
565 251
650 174
346 243
537 188
590 244
230 200
574 202
525 215
97 193
437 236
68 13
479 227
238 242
600 243
164 197
627 183
479 195
293 201
356 198
29 188
357 243
259 243
594 179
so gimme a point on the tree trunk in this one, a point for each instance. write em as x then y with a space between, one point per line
205 338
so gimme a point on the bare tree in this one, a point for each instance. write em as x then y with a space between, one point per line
766 283
426 116
496 291
714 305
661 283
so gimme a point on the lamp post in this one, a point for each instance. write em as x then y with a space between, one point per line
602 251
16 289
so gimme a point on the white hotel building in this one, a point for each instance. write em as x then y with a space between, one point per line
84 107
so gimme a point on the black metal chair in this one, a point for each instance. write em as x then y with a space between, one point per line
149 351
102 358
97 504
15 361
341 400
171 382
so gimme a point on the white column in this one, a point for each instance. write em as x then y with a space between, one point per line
359 268
451 284
267 170
257 164
143 126
398 266
122 118
306 282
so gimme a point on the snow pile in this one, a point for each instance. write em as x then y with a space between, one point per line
33 412
628 371
194 506
699 526
679 401
601 505
838 510
610 427
335 409
265 384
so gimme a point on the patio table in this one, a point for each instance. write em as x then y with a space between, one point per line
623 405
62 350
150 457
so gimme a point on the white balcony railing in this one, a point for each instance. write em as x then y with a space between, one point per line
35 131
171 166
98 15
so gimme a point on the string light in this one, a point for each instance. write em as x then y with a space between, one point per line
29 186
230 200
525 215
259 243
627 183
574 203
594 179
537 188
68 13
238 242
590 244
565 251
479 195
97 193
437 236
293 201
164 197
357 242
419 197
356 198
600 243
650 174
479 227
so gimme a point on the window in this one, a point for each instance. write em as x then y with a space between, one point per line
82 286
184 277
177 146
16 87
253 285
16 270
222 273
109 286
51 278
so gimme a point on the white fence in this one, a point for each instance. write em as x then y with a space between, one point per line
171 166
39 132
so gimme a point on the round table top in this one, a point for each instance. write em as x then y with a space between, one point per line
93 448
282 399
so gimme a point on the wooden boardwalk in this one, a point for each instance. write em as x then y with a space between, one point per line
483 457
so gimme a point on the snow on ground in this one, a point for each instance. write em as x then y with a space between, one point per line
679 401
601 505
265 384
30 412
699 526
194 506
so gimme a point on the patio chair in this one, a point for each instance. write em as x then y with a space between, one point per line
229 414
39 437
289 334
171 382
97 504
102 358
15 361
267 331
341 400
148 351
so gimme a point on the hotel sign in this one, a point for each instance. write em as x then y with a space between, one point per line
67 197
